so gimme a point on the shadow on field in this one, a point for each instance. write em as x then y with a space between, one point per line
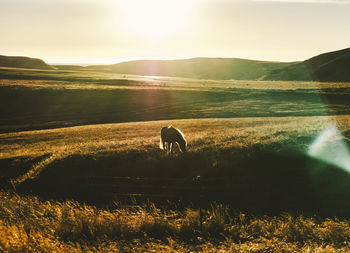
24 108
252 181
12 168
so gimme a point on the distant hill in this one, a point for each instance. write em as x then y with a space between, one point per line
23 62
203 68
328 67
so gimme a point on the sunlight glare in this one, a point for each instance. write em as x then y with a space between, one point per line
154 19
330 147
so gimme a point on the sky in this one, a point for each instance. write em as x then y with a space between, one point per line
110 31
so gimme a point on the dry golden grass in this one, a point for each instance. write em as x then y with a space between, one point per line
287 133
200 134
30 225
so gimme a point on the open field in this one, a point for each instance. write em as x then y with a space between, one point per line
264 162
66 98
94 138
99 78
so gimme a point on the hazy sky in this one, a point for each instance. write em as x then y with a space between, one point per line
108 31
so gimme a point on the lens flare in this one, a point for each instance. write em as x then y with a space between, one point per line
330 147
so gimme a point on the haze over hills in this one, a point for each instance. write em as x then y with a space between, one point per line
328 67
202 68
23 62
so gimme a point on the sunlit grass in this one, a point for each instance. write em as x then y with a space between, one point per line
200 133
28 224
294 134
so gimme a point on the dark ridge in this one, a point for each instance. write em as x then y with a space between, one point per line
328 67
23 62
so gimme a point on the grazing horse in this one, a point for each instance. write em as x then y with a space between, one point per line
169 136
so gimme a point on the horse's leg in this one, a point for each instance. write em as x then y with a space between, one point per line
164 146
167 147
178 147
171 147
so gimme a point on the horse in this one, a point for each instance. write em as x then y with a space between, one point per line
169 136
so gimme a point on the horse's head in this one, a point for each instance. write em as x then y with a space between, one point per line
183 145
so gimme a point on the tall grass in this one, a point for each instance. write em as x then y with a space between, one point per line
28 224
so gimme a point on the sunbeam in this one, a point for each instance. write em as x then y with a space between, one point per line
330 147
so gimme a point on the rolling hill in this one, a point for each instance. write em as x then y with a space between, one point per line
23 62
202 68
328 67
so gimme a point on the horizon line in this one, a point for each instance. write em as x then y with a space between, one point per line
86 61
108 61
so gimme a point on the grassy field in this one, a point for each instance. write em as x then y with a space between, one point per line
264 162
30 225
66 98
77 135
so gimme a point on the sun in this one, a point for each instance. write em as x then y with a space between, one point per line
154 19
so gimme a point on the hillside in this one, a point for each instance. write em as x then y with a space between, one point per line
328 67
333 66
202 68
23 62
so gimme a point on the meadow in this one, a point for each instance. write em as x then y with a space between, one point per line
69 138
38 99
